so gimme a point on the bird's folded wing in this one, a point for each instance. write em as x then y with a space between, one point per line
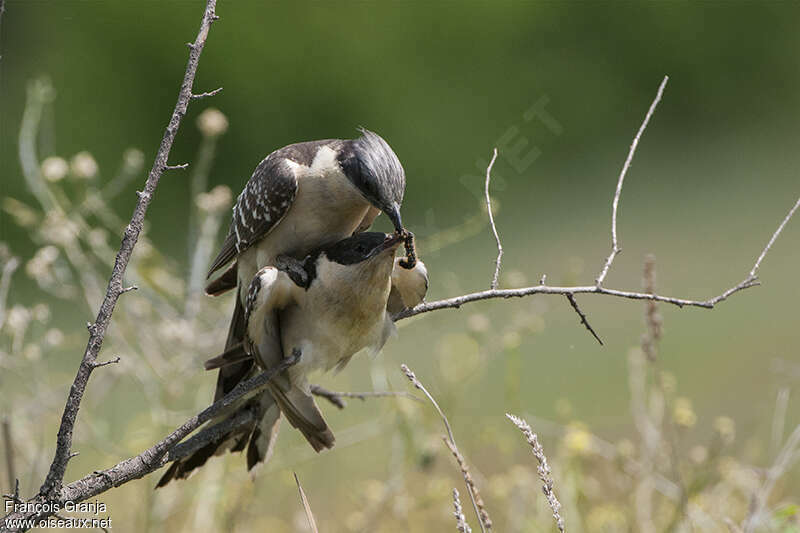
264 201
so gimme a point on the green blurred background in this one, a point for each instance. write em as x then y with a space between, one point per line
444 83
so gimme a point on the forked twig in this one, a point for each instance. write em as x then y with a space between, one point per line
456 302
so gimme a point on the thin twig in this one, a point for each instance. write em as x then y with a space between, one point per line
337 398
491 221
182 166
477 503
614 242
206 95
306 506
543 469
52 484
754 271
584 321
98 364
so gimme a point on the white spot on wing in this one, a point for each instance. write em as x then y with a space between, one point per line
325 160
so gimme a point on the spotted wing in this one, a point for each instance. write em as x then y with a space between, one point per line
267 197
262 204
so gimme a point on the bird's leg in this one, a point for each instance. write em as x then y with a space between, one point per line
411 257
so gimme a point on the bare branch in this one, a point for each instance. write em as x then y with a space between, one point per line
206 95
491 221
456 302
168 449
614 243
337 398
52 484
543 469
574 304
306 506
477 502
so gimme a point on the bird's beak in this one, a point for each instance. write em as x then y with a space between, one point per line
391 242
394 215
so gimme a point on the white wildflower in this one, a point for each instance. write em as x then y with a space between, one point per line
54 337
39 265
97 238
18 318
40 313
54 168
133 158
32 352
212 122
83 165
57 229
218 199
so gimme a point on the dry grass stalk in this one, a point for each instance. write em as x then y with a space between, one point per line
543 469
477 502
651 315
309 515
458 512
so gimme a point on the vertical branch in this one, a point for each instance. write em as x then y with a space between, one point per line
491 221
614 242
97 330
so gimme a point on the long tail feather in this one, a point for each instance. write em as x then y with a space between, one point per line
302 412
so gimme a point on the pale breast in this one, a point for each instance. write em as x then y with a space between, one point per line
344 321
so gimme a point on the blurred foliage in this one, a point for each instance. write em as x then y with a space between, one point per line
86 91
